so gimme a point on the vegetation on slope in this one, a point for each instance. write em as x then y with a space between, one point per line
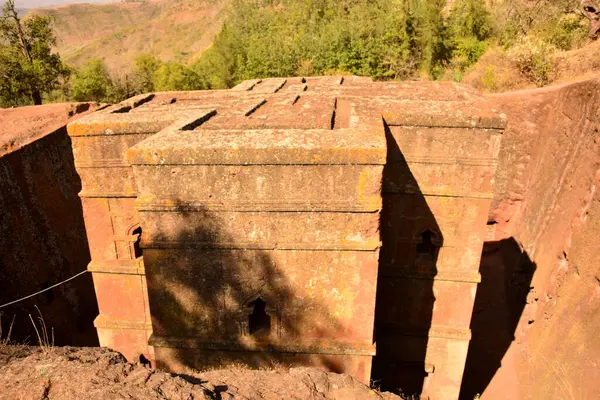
117 33
28 68
384 39
389 39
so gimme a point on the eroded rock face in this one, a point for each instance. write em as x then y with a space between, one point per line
42 233
537 308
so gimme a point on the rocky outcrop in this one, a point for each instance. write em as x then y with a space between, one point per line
94 373
538 305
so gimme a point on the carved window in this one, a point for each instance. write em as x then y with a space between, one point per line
428 246
136 249
259 322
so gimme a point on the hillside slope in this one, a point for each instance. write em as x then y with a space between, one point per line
119 32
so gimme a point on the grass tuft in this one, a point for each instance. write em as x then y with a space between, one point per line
5 340
45 341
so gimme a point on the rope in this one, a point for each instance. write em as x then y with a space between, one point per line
44 290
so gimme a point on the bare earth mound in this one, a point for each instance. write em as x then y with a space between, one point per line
99 373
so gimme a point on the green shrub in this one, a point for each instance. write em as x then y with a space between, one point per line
535 59
467 52
471 18
143 73
569 32
175 76
92 82
383 39
489 79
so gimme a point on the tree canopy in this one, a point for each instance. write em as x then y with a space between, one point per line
28 68
383 39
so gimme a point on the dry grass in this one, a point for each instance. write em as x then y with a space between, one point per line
495 72
45 340
5 339
172 30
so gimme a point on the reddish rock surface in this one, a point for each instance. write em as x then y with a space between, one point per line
42 236
259 214
537 311
77 373
22 125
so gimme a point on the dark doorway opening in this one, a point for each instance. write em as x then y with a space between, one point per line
137 250
259 322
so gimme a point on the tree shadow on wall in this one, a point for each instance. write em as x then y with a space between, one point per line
43 242
216 300
506 275
411 240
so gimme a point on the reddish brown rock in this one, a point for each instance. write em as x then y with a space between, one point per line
42 234
537 310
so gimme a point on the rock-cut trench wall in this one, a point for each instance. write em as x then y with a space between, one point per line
43 239
537 312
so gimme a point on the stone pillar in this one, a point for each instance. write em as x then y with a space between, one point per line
261 246
438 186
100 143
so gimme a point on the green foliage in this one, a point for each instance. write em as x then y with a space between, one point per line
175 76
28 67
384 39
557 22
535 60
568 32
471 26
93 82
145 68
471 18
489 79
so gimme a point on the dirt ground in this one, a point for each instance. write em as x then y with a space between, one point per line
98 373
22 125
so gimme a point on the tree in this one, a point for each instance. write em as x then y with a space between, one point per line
591 10
28 67
145 69
92 82
175 76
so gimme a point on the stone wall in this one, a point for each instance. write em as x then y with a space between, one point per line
42 235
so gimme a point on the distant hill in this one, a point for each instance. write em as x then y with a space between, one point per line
119 32
30 4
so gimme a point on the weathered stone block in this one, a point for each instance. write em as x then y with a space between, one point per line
259 187
312 294
120 297
104 151
99 228
440 179
258 230
448 357
107 182
262 216
132 339
459 225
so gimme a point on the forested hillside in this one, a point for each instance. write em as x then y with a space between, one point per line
390 39
121 49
